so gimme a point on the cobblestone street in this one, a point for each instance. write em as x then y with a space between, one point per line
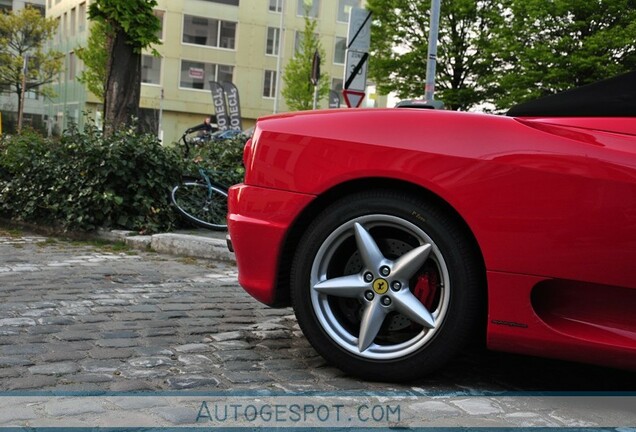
76 316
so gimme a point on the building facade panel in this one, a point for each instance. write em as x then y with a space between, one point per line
203 40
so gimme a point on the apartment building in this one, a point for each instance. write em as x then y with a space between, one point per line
204 40
34 109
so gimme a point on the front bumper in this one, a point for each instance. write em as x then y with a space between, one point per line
258 221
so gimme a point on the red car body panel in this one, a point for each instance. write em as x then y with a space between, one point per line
551 203
259 221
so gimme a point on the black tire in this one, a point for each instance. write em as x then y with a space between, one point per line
203 208
343 302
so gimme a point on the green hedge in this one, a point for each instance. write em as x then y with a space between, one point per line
84 181
223 160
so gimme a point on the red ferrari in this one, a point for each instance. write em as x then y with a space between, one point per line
400 235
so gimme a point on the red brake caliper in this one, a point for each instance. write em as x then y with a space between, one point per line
426 288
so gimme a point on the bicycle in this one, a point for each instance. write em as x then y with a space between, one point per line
200 200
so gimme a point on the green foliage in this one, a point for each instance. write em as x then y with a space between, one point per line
399 47
85 181
94 56
134 17
25 33
501 51
546 47
298 91
222 159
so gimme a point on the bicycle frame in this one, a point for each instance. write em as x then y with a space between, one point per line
202 210
203 173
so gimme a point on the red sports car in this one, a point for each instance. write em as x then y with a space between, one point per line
399 235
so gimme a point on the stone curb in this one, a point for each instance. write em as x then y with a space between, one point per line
174 243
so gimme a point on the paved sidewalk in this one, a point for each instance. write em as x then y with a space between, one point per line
196 243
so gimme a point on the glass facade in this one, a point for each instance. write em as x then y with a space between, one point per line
150 69
272 40
275 5
197 75
344 7
269 84
208 32
308 7
340 50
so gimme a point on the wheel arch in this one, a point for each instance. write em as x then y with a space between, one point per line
330 196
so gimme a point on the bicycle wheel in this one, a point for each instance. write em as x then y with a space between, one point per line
203 207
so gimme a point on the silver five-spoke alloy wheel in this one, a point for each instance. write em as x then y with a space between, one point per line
382 287
387 285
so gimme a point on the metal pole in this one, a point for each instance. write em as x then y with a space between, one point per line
159 126
431 62
281 32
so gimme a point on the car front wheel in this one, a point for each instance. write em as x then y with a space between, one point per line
386 286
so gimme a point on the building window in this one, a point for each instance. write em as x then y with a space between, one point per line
228 34
298 37
59 29
340 50
276 6
226 2
73 21
273 39
32 94
197 75
308 7
209 32
65 25
344 8
269 84
40 8
81 18
72 66
160 14
150 69
337 85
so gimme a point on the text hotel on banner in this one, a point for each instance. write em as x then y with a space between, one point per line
225 98
233 105
359 40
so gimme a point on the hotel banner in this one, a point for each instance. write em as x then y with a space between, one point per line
220 108
233 105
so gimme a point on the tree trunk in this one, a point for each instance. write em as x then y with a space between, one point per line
19 111
123 84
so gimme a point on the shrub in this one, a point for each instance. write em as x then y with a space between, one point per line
223 160
85 181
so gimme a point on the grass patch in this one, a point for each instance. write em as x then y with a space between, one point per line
48 242
189 260
106 246
12 233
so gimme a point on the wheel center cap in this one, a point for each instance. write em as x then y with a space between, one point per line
380 286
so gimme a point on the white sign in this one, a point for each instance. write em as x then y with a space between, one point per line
196 73
356 71
359 35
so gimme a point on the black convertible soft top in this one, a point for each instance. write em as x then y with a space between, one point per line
613 97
